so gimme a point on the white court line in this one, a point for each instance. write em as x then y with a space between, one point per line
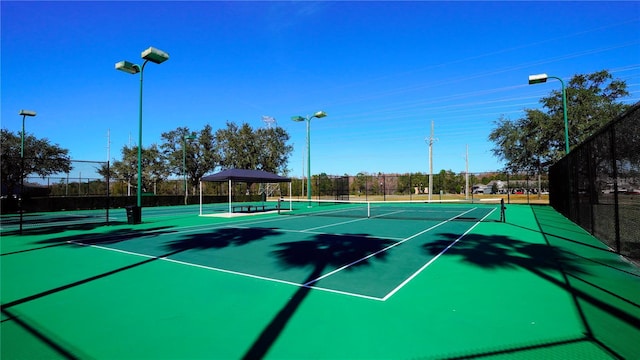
385 249
327 212
187 229
325 233
307 284
387 214
433 259
333 224
228 271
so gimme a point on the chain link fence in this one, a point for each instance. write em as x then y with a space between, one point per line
513 188
597 185
83 188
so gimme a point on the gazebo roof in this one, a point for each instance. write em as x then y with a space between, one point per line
244 175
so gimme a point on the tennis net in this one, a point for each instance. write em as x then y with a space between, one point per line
454 210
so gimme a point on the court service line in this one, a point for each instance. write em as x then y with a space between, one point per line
173 231
231 224
383 250
237 224
211 268
387 214
326 233
406 281
330 225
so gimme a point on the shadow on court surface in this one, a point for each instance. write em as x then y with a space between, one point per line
108 237
498 251
545 261
317 254
323 251
221 238
217 239
49 224
610 315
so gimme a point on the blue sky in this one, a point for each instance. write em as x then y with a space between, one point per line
383 71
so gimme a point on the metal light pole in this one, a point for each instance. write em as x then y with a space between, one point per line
319 114
184 163
541 78
156 56
24 114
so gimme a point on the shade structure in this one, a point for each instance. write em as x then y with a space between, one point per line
242 175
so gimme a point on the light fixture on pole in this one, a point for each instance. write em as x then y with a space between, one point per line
184 163
541 78
24 114
319 114
155 56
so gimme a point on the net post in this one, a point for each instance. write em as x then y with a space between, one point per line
368 210
502 211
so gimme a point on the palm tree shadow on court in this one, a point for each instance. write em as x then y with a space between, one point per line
51 224
217 239
87 239
321 252
221 238
499 251
543 260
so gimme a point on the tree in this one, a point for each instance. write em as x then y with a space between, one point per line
524 144
236 147
40 157
154 168
245 148
448 182
359 184
274 151
533 142
324 183
200 155
591 103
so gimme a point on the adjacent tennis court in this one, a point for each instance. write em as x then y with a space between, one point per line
333 280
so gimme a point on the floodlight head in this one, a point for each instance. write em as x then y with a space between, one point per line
154 55
297 118
537 79
129 68
319 114
27 113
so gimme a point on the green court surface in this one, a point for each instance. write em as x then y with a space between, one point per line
183 286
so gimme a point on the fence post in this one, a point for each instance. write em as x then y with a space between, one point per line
614 166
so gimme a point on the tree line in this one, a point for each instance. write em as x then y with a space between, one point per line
182 152
192 154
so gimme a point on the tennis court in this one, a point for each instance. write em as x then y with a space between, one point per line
457 283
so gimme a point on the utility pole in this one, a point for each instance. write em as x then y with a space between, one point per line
466 187
430 141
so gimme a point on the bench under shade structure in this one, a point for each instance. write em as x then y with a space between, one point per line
232 176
